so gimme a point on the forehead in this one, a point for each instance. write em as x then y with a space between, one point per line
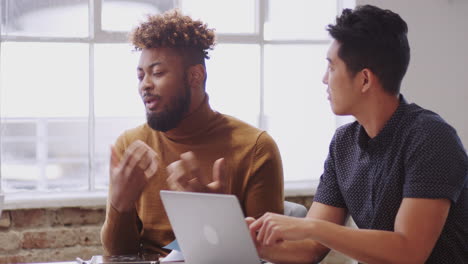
332 53
161 56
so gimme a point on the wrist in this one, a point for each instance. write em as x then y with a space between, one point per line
119 205
310 228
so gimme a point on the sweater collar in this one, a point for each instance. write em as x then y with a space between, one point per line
194 123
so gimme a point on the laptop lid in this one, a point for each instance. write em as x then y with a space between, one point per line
210 228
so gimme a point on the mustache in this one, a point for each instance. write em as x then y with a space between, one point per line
148 95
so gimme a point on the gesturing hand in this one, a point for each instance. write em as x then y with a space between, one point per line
185 175
129 176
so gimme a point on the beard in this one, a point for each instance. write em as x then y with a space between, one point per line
172 114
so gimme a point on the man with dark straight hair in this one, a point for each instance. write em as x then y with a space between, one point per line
399 170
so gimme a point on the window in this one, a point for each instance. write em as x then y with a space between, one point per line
68 82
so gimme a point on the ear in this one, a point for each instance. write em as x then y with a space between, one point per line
367 79
196 75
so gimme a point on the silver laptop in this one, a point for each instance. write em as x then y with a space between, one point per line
210 228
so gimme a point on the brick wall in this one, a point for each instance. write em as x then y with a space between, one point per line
37 235
40 235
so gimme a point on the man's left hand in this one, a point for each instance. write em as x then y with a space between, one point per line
185 175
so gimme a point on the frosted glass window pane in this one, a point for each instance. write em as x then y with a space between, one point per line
67 176
68 148
116 84
19 176
44 80
50 18
296 107
234 81
67 139
17 128
299 19
18 151
60 176
118 15
225 16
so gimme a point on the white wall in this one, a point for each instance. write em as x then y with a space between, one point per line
437 78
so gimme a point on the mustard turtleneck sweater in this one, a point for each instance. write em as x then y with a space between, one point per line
253 167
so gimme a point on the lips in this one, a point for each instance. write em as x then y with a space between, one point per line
151 102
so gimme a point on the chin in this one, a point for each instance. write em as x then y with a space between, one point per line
338 111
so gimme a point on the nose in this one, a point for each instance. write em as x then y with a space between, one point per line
325 77
146 84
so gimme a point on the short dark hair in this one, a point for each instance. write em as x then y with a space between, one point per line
376 39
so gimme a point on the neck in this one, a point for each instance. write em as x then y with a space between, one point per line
376 111
194 122
197 100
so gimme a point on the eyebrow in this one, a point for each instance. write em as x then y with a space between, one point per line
150 66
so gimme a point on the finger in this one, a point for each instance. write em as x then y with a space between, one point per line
114 158
253 232
114 161
273 235
249 220
256 224
191 165
136 146
219 175
263 230
176 172
132 161
151 170
194 185
173 185
144 159
149 163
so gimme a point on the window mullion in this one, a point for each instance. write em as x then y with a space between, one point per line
262 15
41 152
94 27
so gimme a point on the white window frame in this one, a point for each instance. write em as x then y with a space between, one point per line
96 197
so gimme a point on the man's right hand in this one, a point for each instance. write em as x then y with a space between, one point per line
129 176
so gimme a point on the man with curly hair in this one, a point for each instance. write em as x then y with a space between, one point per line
399 170
185 145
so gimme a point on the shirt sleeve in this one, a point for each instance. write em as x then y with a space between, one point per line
436 163
264 192
120 233
328 190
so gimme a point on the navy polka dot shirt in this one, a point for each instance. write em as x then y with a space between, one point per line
418 155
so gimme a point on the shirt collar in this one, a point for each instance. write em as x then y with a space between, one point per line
385 136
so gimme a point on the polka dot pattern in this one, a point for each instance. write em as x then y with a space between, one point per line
418 155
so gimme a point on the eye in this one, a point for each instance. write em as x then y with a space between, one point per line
140 77
158 74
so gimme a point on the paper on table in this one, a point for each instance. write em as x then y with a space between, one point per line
174 256
173 245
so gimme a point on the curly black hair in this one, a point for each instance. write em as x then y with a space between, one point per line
173 29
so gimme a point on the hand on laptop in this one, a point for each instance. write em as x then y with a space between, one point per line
185 175
129 176
271 229
253 233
